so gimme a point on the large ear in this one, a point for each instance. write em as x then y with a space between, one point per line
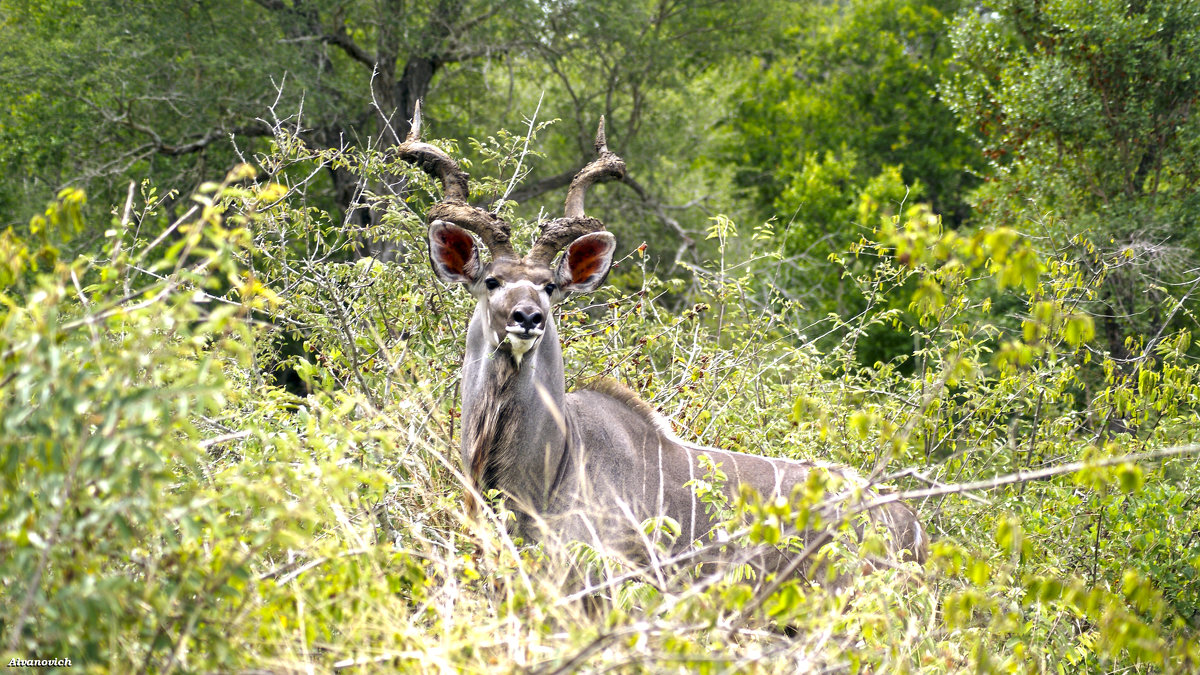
452 253
586 262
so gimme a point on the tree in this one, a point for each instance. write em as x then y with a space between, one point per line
108 91
105 92
1085 111
842 125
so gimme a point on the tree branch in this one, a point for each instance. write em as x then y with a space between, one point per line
352 49
209 138
659 210
912 495
1029 476
541 187
338 37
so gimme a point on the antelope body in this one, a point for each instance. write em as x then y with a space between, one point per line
594 464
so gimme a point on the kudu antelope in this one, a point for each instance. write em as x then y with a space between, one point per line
591 465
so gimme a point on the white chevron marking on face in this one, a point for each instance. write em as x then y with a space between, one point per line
519 283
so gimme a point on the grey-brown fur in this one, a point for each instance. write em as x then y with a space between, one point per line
626 396
628 486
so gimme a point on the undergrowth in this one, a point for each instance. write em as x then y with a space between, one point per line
173 502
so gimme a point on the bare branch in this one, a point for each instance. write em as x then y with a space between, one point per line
520 160
1029 476
210 138
541 187
659 210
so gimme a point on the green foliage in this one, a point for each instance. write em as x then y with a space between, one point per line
1040 398
168 508
840 129
1026 375
848 95
1085 111
96 95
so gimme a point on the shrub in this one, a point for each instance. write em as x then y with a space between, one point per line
167 506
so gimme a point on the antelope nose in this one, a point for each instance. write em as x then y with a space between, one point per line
527 317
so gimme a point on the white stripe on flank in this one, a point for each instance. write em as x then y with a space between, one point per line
695 498
662 479
645 473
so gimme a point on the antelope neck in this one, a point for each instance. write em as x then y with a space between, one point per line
514 424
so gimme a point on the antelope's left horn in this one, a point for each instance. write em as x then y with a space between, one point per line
558 233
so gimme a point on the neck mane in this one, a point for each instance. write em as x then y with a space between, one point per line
491 426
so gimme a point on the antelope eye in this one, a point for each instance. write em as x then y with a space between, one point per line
491 283
550 288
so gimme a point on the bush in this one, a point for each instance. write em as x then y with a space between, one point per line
167 506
